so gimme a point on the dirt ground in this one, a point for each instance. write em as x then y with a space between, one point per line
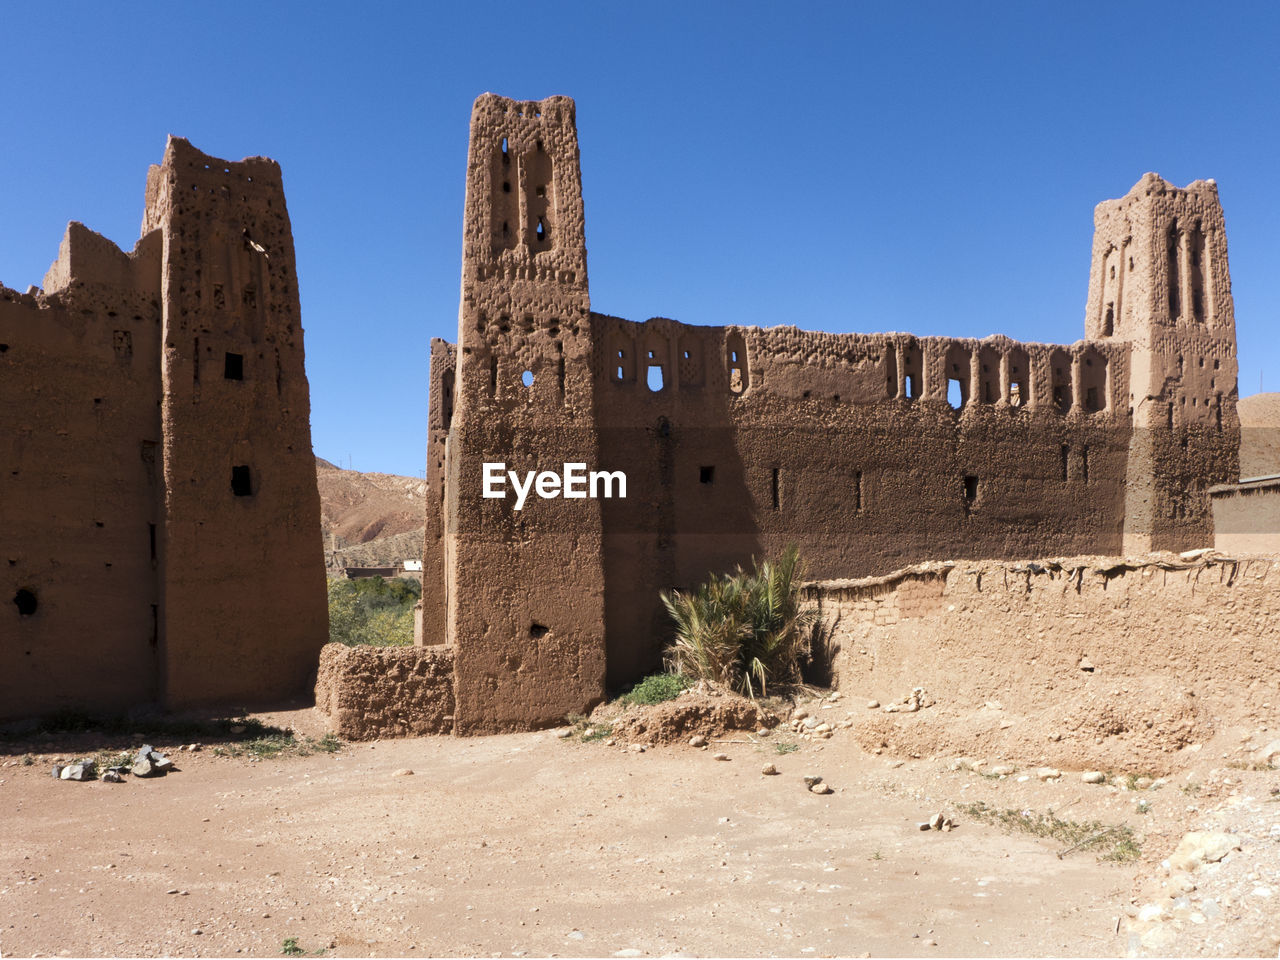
533 844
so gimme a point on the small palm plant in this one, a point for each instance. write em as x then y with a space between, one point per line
743 630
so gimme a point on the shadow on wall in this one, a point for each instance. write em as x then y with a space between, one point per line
663 396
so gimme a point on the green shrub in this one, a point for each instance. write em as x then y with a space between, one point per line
656 688
372 611
743 630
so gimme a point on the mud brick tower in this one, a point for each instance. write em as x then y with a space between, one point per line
1159 281
523 592
158 502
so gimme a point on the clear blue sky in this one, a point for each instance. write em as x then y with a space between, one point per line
929 167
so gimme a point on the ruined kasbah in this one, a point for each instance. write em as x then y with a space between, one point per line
157 416
982 521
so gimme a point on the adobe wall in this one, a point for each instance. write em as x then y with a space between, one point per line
371 693
81 489
736 441
1246 517
157 573
1089 660
846 445
429 613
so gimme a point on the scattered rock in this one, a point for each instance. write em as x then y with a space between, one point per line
83 770
835 695
1268 756
697 740
873 704
1085 665
769 770
637 748
403 772
111 776
57 771
938 822
812 781
721 756
1002 770
1093 776
1048 773
799 713
1200 848
564 734
142 767
821 788
911 703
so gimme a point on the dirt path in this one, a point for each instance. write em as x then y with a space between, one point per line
531 845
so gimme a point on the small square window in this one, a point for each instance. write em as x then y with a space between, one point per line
706 474
233 366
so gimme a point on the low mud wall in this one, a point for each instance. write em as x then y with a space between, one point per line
1117 662
372 693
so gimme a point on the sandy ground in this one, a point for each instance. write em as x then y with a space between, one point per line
533 845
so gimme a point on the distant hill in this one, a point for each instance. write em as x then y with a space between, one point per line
369 519
1259 434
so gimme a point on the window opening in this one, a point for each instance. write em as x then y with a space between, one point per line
241 481
1065 453
970 489
26 602
655 377
774 488
233 366
857 491
955 393
706 474
527 378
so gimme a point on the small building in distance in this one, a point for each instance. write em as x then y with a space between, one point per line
1246 516
158 502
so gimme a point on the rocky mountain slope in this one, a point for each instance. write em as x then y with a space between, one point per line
369 519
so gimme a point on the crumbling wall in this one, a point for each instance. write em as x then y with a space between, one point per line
158 494
1118 660
869 451
371 693
81 488
429 615
747 439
